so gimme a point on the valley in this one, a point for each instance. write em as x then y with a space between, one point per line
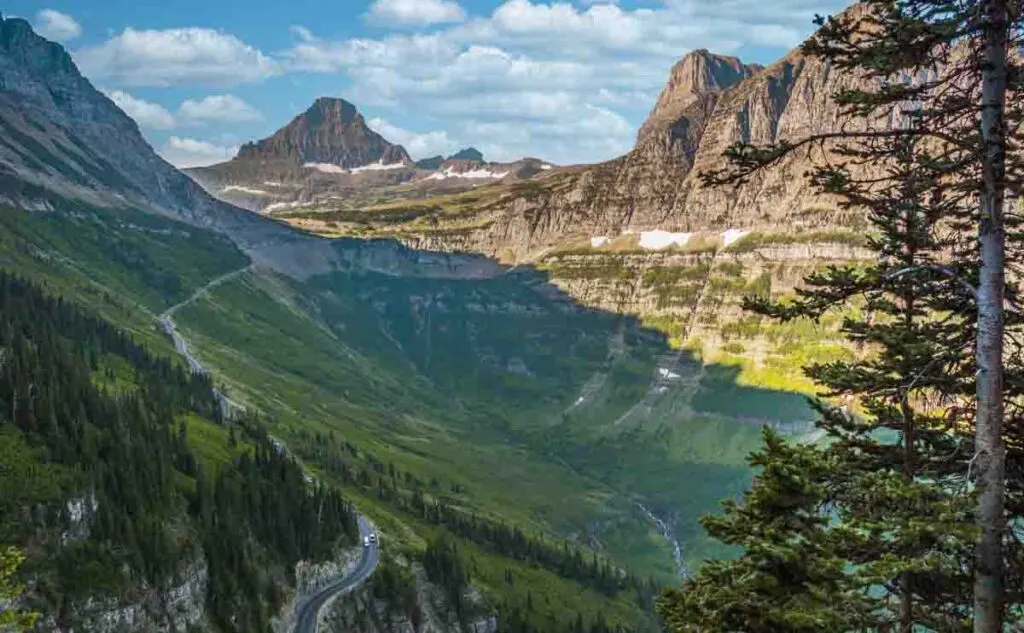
548 365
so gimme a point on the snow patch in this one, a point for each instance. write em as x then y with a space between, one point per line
241 189
732 235
547 167
599 241
657 240
273 183
277 206
476 174
327 168
378 166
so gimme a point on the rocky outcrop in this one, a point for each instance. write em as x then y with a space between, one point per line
331 131
697 74
179 605
430 612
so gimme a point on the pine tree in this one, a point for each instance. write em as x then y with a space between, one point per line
901 473
790 578
950 75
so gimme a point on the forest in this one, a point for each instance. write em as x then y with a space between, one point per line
102 490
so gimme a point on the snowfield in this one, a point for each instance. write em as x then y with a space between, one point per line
331 168
475 174
378 166
732 235
657 240
327 168
241 189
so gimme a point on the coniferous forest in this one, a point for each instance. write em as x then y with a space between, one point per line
93 420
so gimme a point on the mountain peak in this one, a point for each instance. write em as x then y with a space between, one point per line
330 131
700 72
469 153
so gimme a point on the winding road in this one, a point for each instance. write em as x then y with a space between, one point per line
308 609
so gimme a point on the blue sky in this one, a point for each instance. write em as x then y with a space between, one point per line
567 82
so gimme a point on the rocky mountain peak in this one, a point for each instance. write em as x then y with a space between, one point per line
470 153
330 131
32 53
698 74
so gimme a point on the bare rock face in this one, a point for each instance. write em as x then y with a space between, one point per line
697 74
709 103
332 132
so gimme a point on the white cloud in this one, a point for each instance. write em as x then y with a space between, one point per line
563 80
419 145
225 108
175 57
415 12
567 81
146 114
57 26
189 152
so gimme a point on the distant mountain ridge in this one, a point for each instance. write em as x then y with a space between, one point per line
329 153
470 153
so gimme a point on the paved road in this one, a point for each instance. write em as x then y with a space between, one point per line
309 610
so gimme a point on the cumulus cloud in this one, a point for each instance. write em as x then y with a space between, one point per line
415 12
146 114
565 80
226 108
419 145
170 57
189 152
568 81
57 26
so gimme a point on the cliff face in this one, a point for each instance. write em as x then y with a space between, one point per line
709 103
697 74
331 131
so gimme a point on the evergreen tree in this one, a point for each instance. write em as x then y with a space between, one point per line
790 577
12 616
947 74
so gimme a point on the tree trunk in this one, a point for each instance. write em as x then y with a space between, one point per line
991 457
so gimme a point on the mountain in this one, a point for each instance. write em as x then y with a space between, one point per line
696 75
470 153
331 131
643 235
431 163
63 141
329 154
441 393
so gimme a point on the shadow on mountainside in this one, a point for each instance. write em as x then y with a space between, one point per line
511 368
538 408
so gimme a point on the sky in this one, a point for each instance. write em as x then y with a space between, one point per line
564 81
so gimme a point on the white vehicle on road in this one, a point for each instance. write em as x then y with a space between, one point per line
366 541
